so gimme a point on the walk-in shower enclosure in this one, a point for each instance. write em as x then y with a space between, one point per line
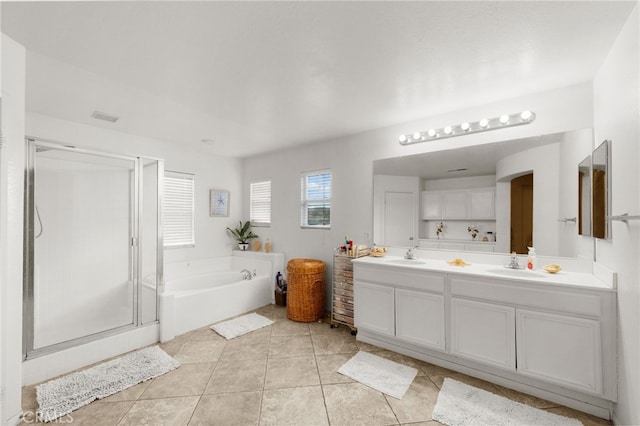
93 245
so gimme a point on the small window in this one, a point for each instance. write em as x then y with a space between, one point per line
316 199
178 210
260 203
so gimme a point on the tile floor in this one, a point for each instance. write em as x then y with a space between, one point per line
284 374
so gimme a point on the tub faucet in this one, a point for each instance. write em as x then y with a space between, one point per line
247 274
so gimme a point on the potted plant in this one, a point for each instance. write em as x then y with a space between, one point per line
242 234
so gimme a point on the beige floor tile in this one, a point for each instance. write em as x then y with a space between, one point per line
471 381
237 376
289 328
586 419
286 346
417 403
368 347
328 366
228 409
356 404
279 312
168 411
293 406
428 423
325 344
189 379
402 359
241 349
99 414
29 400
198 351
204 333
291 372
265 311
172 347
324 327
435 370
130 394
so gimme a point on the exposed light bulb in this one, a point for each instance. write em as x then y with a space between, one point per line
416 135
448 130
484 123
465 126
526 115
431 132
402 138
504 119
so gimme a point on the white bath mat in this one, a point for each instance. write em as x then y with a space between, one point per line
380 374
463 405
241 325
61 396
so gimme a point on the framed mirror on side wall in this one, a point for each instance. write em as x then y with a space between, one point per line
601 191
584 197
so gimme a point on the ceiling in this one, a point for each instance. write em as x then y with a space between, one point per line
262 76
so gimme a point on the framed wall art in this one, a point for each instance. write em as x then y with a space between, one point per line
218 202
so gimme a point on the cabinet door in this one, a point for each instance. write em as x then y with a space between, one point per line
561 349
431 205
482 204
420 318
483 332
454 205
374 307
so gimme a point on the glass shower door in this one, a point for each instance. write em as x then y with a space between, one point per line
84 207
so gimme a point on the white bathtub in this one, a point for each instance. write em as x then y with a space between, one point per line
201 292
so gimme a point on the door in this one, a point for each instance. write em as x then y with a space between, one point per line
561 349
522 213
374 308
483 332
399 218
420 318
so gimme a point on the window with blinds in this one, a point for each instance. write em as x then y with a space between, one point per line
178 210
316 199
260 203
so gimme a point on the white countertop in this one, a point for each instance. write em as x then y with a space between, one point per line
562 278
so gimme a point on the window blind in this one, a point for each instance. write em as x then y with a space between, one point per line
178 209
316 199
260 203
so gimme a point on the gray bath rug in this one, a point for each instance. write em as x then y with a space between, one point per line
61 396
241 325
380 374
463 405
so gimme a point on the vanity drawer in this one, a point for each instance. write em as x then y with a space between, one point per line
343 282
343 318
345 274
343 292
343 263
343 301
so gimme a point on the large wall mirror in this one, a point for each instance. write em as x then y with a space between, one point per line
601 191
584 197
490 197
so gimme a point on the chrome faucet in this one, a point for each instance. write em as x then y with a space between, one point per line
513 262
247 274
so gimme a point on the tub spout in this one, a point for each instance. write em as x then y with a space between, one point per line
247 274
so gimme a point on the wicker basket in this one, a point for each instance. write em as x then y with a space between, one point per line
305 290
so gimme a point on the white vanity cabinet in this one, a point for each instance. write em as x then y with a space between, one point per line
483 332
561 349
555 341
420 318
376 308
482 204
454 205
408 307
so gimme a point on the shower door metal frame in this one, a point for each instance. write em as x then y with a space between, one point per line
29 352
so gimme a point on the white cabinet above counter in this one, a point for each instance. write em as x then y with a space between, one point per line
469 204
550 335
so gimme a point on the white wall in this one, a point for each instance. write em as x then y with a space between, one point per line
210 171
351 161
12 86
617 117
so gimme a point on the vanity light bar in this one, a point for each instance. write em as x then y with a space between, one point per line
486 124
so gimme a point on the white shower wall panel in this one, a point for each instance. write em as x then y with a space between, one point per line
82 261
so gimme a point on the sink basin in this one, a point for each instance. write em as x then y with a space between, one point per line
520 273
406 261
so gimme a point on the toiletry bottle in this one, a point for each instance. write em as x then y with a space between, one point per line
532 260
267 246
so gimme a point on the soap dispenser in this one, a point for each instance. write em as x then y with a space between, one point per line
532 260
